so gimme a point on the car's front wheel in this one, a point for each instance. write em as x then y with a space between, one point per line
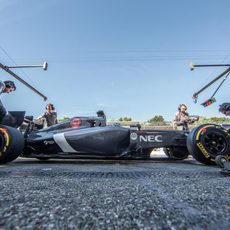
207 141
176 153
146 153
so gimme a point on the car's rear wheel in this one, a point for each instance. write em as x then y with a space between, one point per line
11 144
207 141
146 153
176 153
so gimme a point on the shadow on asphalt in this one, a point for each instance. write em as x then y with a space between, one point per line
163 160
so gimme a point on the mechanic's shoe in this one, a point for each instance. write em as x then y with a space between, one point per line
224 163
225 172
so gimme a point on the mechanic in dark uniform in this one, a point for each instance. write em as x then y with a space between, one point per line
225 109
182 120
49 117
100 113
5 87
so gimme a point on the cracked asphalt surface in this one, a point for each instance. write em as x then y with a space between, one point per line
97 194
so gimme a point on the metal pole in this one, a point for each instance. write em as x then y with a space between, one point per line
22 81
195 95
192 66
44 66
24 66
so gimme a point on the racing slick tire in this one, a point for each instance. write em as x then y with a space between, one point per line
207 141
176 153
11 144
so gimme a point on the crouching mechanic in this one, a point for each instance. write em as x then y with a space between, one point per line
5 87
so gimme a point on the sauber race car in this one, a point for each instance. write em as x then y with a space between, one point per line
90 137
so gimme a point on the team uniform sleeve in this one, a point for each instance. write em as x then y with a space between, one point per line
177 120
2 87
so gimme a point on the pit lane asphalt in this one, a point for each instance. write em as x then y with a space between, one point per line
97 194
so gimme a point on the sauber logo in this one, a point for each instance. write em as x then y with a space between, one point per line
133 136
48 142
150 138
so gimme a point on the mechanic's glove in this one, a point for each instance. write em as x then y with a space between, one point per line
180 123
185 119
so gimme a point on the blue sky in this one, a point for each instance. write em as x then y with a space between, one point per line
127 57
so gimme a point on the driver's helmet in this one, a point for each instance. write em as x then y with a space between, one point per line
10 84
100 113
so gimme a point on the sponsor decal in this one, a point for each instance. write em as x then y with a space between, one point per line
6 140
150 138
201 132
63 144
203 150
133 136
48 142
227 133
204 129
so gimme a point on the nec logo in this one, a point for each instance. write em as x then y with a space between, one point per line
150 138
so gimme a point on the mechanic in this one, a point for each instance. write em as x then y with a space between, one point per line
5 87
100 113
225 109
182 120
49 117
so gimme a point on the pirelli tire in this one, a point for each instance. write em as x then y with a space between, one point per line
11 144
207 141
176 153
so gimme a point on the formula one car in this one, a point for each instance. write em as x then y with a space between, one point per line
90 137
